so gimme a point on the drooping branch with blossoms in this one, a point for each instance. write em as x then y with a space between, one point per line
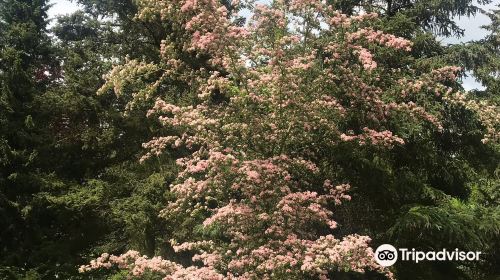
272 96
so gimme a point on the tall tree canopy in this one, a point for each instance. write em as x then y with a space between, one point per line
256 129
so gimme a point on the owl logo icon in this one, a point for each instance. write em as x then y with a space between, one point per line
386 255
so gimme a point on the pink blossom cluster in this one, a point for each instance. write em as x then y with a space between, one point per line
206 21
338 19
140 265
162 107
417 111
214 82
302 63
254 184
489 114
269 225
158 144
384 138
282 77
134 261
447 73
431 81
366 58
350 252
381 38
265 17
267 191
304 5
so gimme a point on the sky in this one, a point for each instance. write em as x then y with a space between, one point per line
473 31
471 25
62 7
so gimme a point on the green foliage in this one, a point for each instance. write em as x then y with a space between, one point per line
69 169
71 186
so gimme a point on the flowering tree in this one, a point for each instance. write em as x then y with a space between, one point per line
255 195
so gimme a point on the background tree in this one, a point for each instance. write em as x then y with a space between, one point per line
27 69
66 151
481 57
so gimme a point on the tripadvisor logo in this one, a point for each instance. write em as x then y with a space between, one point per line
387 255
